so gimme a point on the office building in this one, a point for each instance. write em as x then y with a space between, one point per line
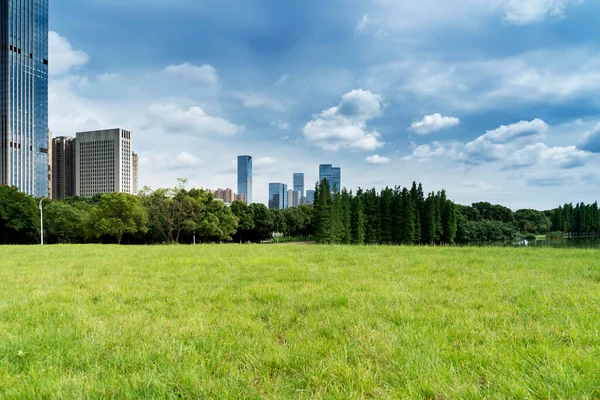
240 197
310 197
135 163
278 199
299 183
24 91
332 174
294 198
49 164
104 162
244 171
63 167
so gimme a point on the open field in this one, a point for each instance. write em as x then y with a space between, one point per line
299 322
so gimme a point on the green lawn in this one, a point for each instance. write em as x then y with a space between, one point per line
294 321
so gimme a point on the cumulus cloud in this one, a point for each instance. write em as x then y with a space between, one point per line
62 57
161 161
252 100
433 123
523 12
205 74
591 141
496 144
193 120
426 152
378 160
345 126
563 157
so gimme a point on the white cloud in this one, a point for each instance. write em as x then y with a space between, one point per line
62 57
264 162
161 161
260 100
362 24
378 160
426 152
433 123
193 121
205 74
507 133
345 126
563 157
523 12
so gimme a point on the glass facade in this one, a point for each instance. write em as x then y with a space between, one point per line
310 196
299 183
244 171
278 196
332 174
24 94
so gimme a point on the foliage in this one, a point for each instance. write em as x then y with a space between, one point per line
19 218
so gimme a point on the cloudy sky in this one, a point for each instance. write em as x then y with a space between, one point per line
494 100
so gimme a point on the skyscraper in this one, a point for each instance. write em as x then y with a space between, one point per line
135 163
310 197
104 162
299 183
278 197
24 95
245 177
49 164
332 174
63 167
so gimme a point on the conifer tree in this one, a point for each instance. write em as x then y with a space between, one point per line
345 206
408 218
323 213
357 219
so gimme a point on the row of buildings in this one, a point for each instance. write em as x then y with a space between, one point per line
280 197
91 163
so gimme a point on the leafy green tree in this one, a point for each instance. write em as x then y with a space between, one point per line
245 216
115 215
19 217
263 223
64 222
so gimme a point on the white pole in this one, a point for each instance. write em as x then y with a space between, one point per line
41 222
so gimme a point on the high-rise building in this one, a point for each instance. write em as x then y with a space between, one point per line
244 171
104 162
135 163
310 197
294 198
299 183
49 164
332 174
63 167
24 95
278 199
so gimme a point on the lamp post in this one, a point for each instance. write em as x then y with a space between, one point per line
41 222
194 237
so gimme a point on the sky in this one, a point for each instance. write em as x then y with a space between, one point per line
492 100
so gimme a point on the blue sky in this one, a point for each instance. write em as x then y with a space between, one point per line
493 100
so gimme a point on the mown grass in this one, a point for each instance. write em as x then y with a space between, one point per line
296 321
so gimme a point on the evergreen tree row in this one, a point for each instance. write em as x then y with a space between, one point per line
580 219
392 216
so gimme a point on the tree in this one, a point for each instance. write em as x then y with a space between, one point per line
408 218
19 217
245 216
263 223
115 215
345 210
357 219
323 213
64 222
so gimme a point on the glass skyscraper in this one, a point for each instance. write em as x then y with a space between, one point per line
299 183
332 174
24 95
278 196
244 171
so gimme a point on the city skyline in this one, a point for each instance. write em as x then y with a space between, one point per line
449 113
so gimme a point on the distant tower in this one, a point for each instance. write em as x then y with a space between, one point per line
332 174
135 162
245 178
278 196
63 167
299 183
24 95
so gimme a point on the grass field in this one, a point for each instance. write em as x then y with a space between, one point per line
294 321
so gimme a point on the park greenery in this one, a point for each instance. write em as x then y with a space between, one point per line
294 321
400 215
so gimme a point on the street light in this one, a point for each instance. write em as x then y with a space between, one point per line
41 222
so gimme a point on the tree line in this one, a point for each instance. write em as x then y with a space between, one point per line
400 215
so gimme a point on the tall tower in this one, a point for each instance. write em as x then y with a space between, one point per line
24 95
333 175
299 183
63 167
245 177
